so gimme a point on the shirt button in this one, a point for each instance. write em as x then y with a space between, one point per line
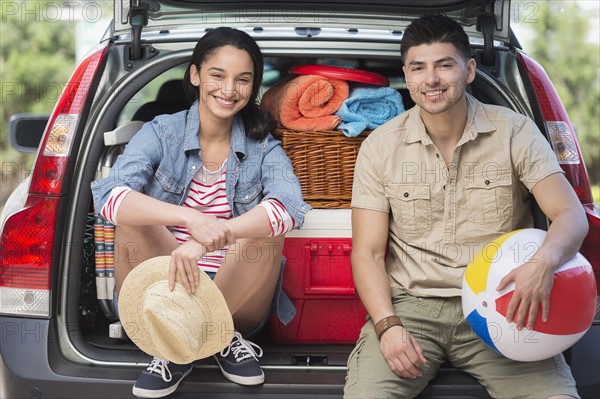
247 196
437 155
406 195
487 182
194 167
444 187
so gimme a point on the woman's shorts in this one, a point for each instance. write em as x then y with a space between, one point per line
281 304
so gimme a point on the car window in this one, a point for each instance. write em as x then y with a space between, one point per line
149 92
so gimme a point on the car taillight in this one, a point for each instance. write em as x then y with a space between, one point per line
560 131
564 142
27 238
591 249
26 256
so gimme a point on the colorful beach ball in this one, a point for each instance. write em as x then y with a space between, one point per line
572 299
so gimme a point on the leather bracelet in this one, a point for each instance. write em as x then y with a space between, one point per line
386 323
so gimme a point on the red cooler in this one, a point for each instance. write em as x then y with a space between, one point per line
318 280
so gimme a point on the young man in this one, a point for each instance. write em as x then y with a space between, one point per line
434 185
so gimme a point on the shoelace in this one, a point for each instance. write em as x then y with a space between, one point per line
242 348
160 367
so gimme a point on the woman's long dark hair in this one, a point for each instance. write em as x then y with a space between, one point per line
257 122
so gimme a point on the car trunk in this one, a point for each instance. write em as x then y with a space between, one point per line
83 324
352 37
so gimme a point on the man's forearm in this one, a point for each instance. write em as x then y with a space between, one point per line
564 238
373 285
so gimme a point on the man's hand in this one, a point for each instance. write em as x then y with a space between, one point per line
184 260
402 352
533 282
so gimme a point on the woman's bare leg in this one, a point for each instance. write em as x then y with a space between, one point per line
248 278
135 244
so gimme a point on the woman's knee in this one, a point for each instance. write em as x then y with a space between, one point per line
263 251
135 244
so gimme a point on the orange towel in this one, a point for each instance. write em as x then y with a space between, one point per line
306 102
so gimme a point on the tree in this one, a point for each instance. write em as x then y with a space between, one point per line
37 56
559 44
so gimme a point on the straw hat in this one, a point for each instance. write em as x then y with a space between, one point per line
174 325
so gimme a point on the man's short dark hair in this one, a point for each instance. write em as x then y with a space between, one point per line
435 28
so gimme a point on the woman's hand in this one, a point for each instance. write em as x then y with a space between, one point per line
209 231
184 261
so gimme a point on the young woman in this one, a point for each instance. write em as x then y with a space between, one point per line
212 188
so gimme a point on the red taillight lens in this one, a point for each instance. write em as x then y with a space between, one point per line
27 245
560 131
50 166
564 142
27 239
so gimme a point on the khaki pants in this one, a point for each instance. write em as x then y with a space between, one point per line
441 330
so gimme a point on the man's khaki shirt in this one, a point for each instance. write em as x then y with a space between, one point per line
441 215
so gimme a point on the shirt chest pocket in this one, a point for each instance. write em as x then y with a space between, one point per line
169 187
411 207
247 197
489 199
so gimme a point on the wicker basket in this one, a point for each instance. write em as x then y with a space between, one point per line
324 164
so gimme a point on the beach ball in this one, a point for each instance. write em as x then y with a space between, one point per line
572 299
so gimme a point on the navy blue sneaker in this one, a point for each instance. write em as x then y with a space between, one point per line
239 361
160 378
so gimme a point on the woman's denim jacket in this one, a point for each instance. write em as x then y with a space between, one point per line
161 159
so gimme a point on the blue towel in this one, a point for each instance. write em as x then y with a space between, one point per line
368 108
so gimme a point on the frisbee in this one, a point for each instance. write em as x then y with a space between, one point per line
342 73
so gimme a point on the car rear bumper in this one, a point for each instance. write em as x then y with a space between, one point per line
26 369
584 358
31 366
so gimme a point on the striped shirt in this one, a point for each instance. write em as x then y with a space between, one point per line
207 195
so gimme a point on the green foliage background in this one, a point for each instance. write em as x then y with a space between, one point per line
37 56
573 64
